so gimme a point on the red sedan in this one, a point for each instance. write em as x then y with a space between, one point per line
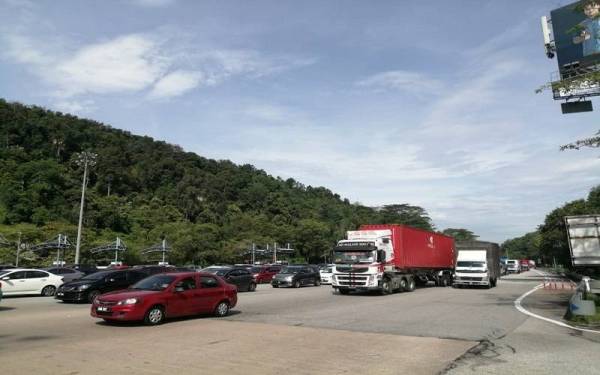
167 295
264 274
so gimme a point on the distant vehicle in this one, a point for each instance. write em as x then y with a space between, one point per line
240 277
524 264
513 266
296 276
477 263
20 281
89 287
392 258
68 274
85 268
264 274
326 272
167 295
153 269
531 264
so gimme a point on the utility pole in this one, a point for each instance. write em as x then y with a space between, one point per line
253 250
18 250
275 254
85 159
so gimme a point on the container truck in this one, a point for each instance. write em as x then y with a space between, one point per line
392 258
477 263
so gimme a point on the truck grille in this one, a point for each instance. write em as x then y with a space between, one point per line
350 269
468 278
352 280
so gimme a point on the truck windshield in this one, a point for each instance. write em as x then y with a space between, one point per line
354 257
470 264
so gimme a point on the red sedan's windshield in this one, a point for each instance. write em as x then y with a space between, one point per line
157 283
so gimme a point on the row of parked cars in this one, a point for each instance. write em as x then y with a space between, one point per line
151 293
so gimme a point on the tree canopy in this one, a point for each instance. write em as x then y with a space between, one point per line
142 190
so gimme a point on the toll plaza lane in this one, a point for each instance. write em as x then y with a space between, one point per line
305 330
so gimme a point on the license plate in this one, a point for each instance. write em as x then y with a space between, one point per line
102 309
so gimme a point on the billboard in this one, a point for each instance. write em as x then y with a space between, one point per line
584 239
576 30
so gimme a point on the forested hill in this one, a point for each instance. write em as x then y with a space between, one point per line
208 210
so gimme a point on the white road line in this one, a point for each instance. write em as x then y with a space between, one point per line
519 307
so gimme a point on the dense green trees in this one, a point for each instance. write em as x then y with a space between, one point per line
460 234
143 190
549 243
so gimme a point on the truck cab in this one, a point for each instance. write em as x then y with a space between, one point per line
472 269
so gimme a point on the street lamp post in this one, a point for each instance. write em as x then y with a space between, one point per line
84 159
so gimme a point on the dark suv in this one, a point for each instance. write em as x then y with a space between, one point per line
296 276
89 287
238 276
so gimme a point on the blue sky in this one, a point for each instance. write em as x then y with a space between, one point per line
430 103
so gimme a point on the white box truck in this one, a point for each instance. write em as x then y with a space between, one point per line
477 263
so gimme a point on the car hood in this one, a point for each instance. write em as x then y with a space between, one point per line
127 293
80 282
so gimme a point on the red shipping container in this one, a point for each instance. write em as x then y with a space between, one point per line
416 249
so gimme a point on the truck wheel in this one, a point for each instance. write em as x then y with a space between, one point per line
411 285
386 286
494 282
403 285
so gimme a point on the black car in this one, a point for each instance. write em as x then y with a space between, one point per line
296 276
85 268
238 276
90 286
154 269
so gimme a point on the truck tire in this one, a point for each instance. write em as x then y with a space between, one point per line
386 286
494 282
403 285
412 284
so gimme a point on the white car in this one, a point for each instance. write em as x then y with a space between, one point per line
20 281
326 274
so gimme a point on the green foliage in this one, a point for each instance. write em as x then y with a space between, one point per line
524 247
460 234
549 243
209 211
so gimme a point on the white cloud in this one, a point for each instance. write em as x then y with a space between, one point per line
412 82
175 84
127 63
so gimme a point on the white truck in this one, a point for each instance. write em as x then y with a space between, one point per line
477 263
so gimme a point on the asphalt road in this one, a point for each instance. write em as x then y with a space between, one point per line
306 330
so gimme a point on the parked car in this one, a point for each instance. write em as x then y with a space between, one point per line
68 274
525 264
296 276
89 287
86 269
326 272
153 269
513 266
264 274
167 295
240 277
21 281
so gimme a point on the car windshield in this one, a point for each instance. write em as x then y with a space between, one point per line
256 269
290 269
157 283
96 276
327 269
470 264
354 257
3 272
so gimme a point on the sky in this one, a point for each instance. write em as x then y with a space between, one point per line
430 103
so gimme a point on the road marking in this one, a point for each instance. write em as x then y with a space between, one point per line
519 307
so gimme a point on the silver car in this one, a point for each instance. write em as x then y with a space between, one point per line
68 274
